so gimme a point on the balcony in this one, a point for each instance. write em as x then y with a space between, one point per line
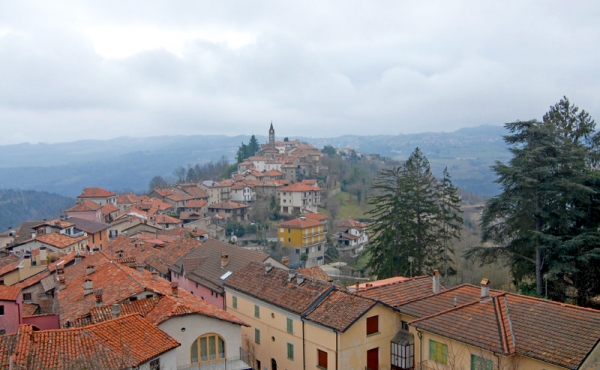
232 363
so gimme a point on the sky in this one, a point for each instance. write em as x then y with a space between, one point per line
73 70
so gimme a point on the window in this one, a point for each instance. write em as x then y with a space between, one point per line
155 364
404 325
234 301
322 359
289 231
297 251
290 351
257 335
101 239
372 325
2 310
208 348
290 326
256 311
289 240
258 365
438 352
481 363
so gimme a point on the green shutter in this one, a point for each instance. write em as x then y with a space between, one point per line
234 301
290 351
256 311
432 352
257 335
290 326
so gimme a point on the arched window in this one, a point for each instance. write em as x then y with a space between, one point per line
208 348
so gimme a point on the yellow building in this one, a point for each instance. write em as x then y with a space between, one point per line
298 322
470 327
304 236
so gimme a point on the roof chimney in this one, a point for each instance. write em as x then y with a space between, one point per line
154 275
88 287
485 288
139 266
285 261
98 295
224 259
436 282
174 290
115 311
61 282
90 269
299 278
268 267
291 274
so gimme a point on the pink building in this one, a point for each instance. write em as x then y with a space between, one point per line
10 309
87 210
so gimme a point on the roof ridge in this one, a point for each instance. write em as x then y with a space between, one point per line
450 309
500 324
562 304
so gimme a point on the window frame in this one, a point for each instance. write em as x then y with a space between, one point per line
487 364
372 325
439 356
155 364
257 311
257 335
218 341
290 351
319 358
234 302
289 325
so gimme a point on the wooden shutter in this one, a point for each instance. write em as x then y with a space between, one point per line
322 359
372 324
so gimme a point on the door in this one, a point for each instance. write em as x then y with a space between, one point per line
373 359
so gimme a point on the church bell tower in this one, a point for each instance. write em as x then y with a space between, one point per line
271 134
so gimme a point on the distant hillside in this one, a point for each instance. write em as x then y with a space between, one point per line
17 206
130 163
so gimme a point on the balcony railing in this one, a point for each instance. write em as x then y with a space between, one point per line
232 363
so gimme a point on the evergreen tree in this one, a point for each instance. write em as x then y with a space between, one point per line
544 221
242 153
253 146
450 218
412 219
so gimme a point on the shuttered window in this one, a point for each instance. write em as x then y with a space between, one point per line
438 352
322 355
372 325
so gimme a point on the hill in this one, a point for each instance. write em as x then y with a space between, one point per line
129 163
17 206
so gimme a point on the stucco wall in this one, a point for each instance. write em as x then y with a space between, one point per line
12 315
198 290
168 361
196 326
593 359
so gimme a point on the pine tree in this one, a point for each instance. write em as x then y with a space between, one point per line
450 217
253 146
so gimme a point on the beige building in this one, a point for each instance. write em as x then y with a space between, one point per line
297 322
298 198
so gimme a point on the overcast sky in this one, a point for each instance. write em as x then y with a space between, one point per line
103 69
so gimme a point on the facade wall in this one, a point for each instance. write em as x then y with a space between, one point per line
197 289
317 338
168 361
43 322
88 215
9 322
272 324
354 343
99 239
196 326
593 359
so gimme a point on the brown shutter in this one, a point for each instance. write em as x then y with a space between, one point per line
372 324
322 359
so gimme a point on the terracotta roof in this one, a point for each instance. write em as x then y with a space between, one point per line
166 219
59 241
84 206
96 193
90 227
125 342
310 182
275 287
58 223
127 199
340 309
8 263
203 265
398 293
163 192
299 223
350 224
9 293
8 344
273 173
315 272
299 187
191 215
196 203
108 209
228 205
74 304
28 309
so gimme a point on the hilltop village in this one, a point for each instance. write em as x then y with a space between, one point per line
168 280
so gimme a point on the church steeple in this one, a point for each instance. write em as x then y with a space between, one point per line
271 134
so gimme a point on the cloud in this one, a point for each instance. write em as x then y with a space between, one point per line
108 69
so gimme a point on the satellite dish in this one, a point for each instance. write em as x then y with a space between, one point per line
233 239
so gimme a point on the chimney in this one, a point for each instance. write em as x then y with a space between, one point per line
154 275
224 259
299 278
115 311
455 301
61 282
291 274
90 269
139 266
174 289
285 261
436 282
42 256
98 295
32 235
267 267
88 287
485 288
357 285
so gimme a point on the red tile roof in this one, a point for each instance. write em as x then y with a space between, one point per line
60 241
340 309
274 173
96 193
275 287
299 223
315 216
108 209
228 205
299 187
58 223
84 206
196 203
9 293
166 219
315 272
400 292
127 199
349 224
556 333
28 309
122 343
